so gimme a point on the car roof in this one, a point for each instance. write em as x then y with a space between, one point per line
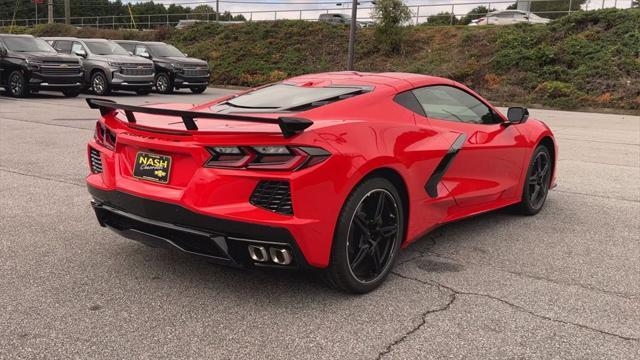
153 42
128 41
399 81
59 38
16 35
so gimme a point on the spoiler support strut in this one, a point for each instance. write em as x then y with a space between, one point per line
289 126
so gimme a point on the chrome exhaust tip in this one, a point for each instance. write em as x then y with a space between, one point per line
258 253
280 256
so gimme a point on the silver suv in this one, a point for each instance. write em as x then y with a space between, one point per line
107 65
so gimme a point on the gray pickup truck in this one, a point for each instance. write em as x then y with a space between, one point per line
107 65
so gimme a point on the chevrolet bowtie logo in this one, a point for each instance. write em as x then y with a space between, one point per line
140 66
160 173
64 65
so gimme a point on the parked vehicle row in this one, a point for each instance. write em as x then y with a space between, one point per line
72 65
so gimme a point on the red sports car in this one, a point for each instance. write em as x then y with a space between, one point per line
333 171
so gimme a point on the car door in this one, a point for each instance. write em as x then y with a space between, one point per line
3 60
488 164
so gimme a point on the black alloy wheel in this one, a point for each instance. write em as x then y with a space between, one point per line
164 85
367 237
536 187
99 84
17 84
372 234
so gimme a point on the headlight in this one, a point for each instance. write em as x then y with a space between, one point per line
115 64
176 67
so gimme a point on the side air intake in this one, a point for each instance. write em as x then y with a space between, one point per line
273 196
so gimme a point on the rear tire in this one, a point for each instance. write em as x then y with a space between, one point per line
71 93
145 91
17 84
536 184
99 84
163 83
367 238
198 90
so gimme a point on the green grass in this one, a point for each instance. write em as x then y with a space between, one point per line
587 59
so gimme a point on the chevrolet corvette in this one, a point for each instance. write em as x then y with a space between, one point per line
335 171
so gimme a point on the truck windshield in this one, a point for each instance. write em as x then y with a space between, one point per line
27 44
105 48
164 50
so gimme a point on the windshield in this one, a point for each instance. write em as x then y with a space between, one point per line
283 96
105 48
164 50
27 44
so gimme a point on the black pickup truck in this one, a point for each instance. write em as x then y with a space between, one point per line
28 64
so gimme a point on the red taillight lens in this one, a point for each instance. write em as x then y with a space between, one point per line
265 157
104 136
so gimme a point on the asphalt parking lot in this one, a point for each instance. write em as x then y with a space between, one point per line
563 284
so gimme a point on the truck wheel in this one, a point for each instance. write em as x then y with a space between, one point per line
17 84
71 92
164 85
198 90
99 84
143 91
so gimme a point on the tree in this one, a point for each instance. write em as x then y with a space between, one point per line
475 13
553 9
442 18
390 15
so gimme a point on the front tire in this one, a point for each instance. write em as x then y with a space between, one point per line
536 185
163 83
367 237
17 84
99 84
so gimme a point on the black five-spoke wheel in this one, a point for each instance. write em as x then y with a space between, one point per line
537 183
372 235
367 237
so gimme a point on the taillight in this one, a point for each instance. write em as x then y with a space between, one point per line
276 157
104 136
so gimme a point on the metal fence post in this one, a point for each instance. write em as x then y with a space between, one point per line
300 14
97 22
418 15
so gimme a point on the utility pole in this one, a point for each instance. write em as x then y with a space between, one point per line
67 12
50 11
352 34
217 10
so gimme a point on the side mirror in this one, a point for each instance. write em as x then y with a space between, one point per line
3 51
517 114
186 55
81 53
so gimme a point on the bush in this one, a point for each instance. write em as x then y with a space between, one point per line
390 16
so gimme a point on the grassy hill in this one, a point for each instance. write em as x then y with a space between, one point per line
585 60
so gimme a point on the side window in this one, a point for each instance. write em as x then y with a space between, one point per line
76 47
450 103
141 50
63 46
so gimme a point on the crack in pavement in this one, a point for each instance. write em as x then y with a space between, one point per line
454 295
44 123
423 320
596 196
41 177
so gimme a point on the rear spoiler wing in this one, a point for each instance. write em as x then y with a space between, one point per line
289 126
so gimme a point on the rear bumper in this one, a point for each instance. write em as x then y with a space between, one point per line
160 224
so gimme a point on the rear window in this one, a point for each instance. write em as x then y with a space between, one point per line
286 97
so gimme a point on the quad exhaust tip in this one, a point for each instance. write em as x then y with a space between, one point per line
280 256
